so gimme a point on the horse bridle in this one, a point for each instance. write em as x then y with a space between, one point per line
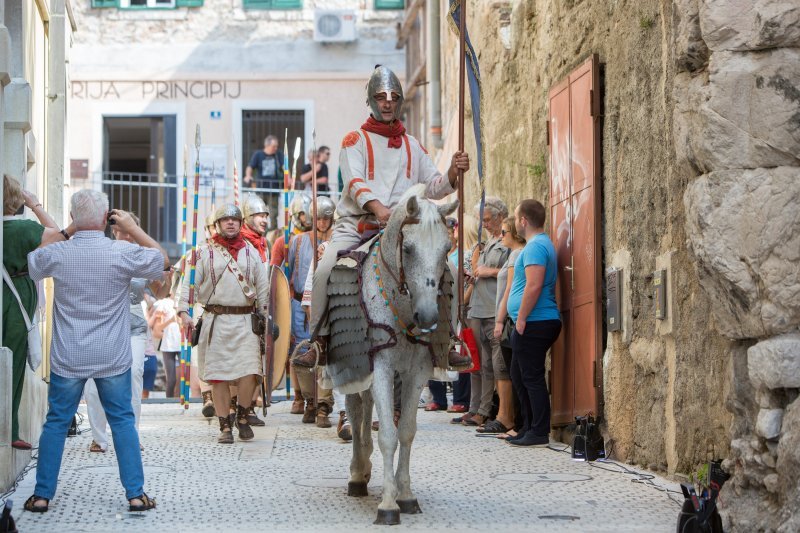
401 280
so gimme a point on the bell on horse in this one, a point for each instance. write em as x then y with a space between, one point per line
405 289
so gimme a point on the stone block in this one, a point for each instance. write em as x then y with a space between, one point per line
750 24
744 231
745 113
775 362
768 423
17 108
788 466
691 52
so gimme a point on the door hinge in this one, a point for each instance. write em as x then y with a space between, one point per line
592 110
596 377
547 128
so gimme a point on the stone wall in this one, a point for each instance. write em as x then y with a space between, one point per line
737 125
666 381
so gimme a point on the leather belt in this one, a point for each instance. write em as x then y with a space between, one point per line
229 309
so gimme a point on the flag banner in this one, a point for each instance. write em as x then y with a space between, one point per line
474 83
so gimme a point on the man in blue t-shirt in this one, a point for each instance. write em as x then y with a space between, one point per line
537 323
267 164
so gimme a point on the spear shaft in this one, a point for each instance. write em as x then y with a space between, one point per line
194 251
462 64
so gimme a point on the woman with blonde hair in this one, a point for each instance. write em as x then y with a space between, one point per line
20 237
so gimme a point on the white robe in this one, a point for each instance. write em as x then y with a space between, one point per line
233 350
389 175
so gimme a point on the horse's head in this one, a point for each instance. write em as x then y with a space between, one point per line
415 244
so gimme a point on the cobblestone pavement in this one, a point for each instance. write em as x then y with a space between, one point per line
293 477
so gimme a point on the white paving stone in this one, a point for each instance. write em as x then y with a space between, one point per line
293 477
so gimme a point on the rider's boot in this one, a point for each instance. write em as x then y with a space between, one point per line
317 354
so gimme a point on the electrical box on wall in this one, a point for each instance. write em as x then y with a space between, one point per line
660 294
614 300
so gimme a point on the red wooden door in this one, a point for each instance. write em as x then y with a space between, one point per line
573 136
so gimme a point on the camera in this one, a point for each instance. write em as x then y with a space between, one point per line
110 220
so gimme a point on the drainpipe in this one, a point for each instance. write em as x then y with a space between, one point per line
434 71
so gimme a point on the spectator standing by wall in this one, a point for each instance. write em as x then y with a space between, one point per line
537 323
91 325
164 322
485 267
514 242
20 237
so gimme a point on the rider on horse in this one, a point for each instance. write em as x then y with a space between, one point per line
379 162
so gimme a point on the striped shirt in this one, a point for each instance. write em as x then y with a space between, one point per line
91 309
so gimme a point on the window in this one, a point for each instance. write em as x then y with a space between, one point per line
390 4
272 4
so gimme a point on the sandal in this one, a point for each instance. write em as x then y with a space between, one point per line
94 447
147 503
492 427
472 422
460 419
30 504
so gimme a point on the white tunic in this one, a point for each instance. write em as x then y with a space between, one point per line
232 351
373 171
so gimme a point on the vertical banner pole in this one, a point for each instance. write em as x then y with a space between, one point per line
462 66
194 256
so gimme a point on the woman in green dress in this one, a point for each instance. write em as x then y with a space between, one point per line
20 237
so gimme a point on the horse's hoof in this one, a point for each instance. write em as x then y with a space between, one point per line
409 506
357 489
390 517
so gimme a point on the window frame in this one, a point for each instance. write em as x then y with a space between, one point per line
272 5
389 5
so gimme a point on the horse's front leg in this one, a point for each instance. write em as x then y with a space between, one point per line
382 392
412 387
360 466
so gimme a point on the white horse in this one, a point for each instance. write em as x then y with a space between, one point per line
401 278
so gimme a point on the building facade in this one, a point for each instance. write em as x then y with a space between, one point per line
146 74
35 39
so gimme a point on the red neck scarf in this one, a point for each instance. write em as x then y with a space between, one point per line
394 130
233 245
258 242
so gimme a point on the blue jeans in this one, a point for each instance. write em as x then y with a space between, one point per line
115 397
300 330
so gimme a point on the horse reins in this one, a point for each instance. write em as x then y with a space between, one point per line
401 281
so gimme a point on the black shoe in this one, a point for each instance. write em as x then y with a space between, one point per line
520 433
531 440
253 419
245 431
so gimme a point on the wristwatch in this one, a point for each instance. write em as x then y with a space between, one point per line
65 234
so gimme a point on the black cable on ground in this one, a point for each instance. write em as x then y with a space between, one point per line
644 479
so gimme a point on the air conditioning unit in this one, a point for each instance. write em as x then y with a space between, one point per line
334 26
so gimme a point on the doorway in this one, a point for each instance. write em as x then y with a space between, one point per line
139 166
257 124
574 130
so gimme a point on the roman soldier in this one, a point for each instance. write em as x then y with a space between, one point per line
379 163
301 259
230 283
256 221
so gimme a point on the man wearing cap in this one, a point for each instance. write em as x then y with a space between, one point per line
230 283
379 163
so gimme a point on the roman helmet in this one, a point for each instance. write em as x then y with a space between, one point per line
325 207
227 211
210 220
301 204
254 205
383 80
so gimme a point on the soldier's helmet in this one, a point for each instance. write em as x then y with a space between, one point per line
301 204
325 207
383 80
227 211
254 205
